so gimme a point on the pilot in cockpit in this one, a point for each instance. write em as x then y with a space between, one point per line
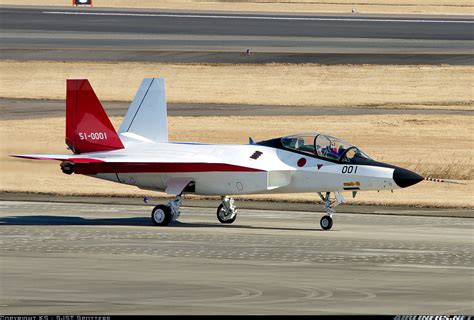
341 150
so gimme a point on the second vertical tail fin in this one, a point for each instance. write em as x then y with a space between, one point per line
147 114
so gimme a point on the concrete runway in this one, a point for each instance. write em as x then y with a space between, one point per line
132 35
78 258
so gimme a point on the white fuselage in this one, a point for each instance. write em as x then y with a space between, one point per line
231 170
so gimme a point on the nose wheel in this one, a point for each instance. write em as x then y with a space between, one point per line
326 223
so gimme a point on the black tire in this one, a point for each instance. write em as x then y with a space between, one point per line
326 223
161 215
221 218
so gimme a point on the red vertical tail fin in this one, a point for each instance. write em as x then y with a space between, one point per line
88 128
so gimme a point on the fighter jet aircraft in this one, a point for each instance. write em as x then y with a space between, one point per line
141 155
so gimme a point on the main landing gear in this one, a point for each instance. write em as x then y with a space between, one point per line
329 204
226 212
162 214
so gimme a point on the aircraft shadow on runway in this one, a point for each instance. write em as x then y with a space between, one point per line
41 220
72 221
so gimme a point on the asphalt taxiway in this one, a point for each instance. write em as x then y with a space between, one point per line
92 34
89 258
17 109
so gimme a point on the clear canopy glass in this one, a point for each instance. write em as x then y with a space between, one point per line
323 146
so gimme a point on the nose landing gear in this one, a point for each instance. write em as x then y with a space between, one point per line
329 204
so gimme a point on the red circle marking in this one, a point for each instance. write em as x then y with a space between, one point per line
301 162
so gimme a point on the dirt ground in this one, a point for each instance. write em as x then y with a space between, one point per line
430 87
412 141
460 7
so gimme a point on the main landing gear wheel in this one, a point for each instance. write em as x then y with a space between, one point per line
326 222
224 217
161 215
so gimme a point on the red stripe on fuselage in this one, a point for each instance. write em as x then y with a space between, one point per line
85 160
153 167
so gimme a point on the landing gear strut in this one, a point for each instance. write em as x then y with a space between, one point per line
329 204
162 215
227 212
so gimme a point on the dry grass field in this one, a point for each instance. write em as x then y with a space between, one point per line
432 145
378 86
463 7
415 142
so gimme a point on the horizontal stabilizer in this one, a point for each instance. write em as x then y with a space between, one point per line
147 115
57 157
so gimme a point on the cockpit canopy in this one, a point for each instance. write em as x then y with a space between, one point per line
324 146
